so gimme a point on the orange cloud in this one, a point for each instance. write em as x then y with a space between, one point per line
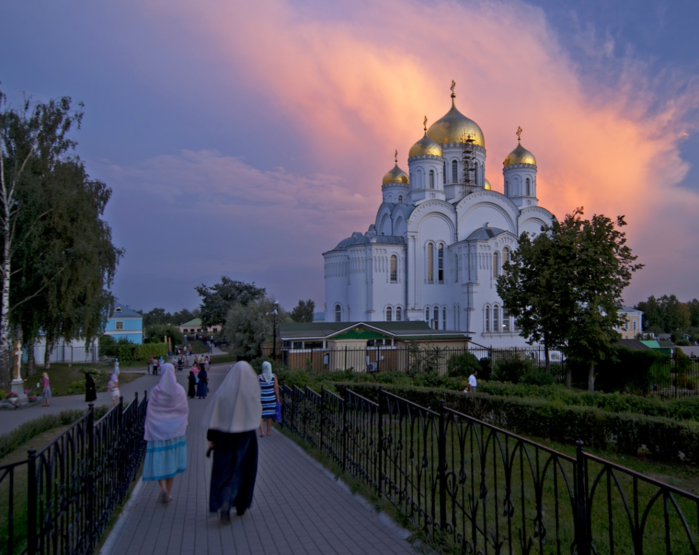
356 79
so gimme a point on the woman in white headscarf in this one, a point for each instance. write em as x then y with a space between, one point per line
269 391
231 420
166 424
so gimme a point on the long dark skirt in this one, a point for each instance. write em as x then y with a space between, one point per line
234 469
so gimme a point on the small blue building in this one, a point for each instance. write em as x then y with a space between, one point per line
125 323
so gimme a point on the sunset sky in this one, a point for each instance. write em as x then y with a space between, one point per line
246 138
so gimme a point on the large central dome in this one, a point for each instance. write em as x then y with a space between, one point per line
455 127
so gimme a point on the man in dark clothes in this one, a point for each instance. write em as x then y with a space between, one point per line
90 389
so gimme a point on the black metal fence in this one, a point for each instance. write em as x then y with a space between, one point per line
405 358
481 489
60 499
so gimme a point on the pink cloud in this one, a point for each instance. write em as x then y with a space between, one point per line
356 79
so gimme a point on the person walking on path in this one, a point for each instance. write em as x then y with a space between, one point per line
46 384
231 420
166 423
269 395
192 389
113 387
473 382
90 388
202 384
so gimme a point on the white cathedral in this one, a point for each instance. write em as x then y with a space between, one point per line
440 238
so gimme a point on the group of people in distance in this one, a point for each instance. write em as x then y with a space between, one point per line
198 380
231 419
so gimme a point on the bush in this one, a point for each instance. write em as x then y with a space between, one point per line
462 366
537 376
146 350
511 370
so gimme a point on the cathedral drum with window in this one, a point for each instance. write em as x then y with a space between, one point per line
440 238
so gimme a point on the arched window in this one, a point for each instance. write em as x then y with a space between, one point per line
389 314
399 314
394 268
487 318
496 318
430 262
435 316
454 171
440 263
427 314
505 320
400 199
431 179
505 255
496 264
338 313
456 268
444 318
634 325
529 187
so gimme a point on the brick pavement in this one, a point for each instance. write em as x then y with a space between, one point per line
298 508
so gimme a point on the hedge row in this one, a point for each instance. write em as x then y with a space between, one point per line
631 434
129 352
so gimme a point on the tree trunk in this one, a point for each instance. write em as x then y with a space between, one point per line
591 378
47 354
569 375
548 359
31 361
5 346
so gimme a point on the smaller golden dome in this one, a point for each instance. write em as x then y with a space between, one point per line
519 155
487 186
425 146
396 175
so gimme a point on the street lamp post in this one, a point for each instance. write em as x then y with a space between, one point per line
275 315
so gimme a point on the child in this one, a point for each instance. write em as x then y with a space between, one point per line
47 389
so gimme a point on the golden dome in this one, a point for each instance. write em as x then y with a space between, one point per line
519 155
396 175
455 127
425 146
487 186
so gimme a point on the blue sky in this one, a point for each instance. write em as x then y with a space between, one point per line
245 140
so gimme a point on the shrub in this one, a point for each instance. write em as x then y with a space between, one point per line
511 370
146 350
462 366
485 371
537 376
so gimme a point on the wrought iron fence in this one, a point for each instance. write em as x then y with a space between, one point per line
406 358
60 498
482 489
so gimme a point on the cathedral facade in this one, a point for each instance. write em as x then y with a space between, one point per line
440 238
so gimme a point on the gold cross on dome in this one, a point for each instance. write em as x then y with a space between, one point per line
519 133
453 86
396 155
424 123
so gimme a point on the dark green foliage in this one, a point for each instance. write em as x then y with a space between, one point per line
463 365
129 352
159 316
303 312
537 376
486 368
219 299
511 370
157 333
627 370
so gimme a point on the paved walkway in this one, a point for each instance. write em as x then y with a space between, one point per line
298 508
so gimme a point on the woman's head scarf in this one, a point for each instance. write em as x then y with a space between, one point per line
167 413
267 371
236 406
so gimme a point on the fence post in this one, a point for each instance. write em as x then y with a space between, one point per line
322 402
304 411
379 443
32 495
91 532
582 530
441 469
344 431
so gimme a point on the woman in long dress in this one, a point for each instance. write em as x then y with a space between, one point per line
90 388
269 389
192 382
166 424
231 420
203 384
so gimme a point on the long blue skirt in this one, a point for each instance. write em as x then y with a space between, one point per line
165 459
234 469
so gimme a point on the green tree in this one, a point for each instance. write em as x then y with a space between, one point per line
531 291
653 314
250 325
156 333
579 274
303 312
57 258
217 300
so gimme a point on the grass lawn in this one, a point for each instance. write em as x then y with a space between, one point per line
70 380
